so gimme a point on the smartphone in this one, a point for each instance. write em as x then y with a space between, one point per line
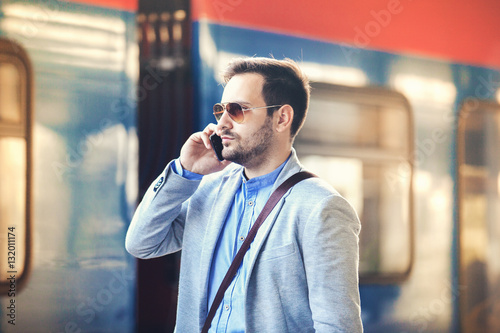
217 146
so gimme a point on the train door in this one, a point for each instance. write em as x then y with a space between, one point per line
164 123
479 216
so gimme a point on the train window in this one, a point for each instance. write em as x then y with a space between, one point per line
10 111
360 140
479 215
15 162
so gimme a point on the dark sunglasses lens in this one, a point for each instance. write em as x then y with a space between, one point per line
218 111
235 112
233 109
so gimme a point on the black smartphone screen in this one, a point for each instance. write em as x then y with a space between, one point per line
217 146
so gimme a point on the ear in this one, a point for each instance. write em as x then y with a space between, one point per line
284 118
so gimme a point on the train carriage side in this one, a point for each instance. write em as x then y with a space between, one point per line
74 164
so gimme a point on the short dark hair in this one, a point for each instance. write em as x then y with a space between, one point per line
284 83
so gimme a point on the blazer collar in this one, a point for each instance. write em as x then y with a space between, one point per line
291 167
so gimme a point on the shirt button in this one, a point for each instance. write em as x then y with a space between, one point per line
250 203
226 307
242 238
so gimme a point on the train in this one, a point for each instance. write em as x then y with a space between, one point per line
404 121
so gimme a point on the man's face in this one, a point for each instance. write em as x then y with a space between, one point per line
246 143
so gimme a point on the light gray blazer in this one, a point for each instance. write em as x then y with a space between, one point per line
304 276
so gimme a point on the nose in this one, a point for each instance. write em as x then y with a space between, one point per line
225 122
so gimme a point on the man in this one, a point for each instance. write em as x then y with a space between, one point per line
301 272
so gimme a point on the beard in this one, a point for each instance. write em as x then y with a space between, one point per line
250 151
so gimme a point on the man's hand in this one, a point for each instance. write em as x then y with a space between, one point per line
197 155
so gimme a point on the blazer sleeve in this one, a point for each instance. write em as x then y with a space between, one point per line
331 257
158 223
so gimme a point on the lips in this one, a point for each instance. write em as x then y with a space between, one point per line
226 137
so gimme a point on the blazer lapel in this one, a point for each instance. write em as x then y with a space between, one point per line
264 231
292 167
223 201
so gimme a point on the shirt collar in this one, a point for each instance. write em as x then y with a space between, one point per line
264 180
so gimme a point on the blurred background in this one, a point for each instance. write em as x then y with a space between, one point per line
96 97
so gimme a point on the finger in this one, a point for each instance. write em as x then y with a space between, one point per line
206 139
196 137
208 131
210 128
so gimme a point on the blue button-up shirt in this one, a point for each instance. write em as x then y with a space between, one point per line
248 202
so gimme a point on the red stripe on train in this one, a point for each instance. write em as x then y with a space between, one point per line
456 30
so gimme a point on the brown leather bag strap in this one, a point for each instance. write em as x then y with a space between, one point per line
233 269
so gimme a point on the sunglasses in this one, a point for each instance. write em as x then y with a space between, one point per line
235 111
